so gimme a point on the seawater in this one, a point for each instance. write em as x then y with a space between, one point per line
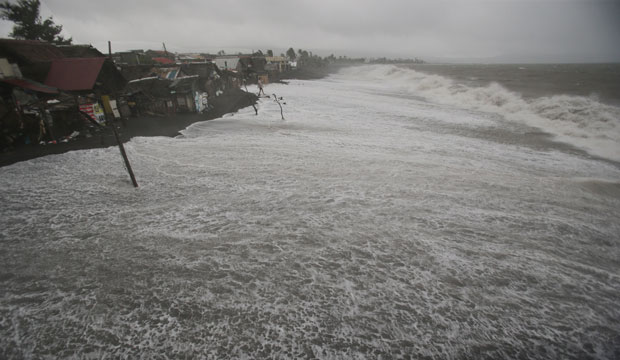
597 81
388 216
516 93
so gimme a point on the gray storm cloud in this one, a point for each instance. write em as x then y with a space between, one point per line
567 30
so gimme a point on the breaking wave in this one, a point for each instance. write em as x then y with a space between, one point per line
580 121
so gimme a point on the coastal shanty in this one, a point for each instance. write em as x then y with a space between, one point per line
276 64
51 94
41 102
180 88
249 67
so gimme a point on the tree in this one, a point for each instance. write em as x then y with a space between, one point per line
221 52
269 53
291 54
28 22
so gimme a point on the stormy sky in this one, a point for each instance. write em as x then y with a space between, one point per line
450 30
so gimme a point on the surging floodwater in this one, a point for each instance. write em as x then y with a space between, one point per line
379 220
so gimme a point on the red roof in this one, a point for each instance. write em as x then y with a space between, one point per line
32 85
74 73
163 60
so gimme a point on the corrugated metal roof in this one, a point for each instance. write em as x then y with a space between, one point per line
226 63
168 73
79 51
132 72
74 73
163 60
30 50
32 85
143 79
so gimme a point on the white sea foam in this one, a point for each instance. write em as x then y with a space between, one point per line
361 226
580 121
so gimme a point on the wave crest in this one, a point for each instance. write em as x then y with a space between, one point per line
581 121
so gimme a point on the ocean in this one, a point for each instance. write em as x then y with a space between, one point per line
600 82
395 212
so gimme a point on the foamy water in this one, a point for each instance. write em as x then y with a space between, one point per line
581 121
368 224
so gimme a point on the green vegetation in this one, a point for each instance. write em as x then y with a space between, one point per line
307 59
28 22
291 54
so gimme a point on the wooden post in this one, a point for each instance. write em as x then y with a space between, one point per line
119 142
124 154
110 49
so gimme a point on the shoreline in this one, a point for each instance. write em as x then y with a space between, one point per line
170 126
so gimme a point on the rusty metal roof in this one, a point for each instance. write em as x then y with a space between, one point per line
74 73
163 60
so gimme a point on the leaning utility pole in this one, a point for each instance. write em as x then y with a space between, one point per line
124 155
109 116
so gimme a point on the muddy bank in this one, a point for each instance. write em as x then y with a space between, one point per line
230 101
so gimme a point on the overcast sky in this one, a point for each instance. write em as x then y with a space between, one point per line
544 30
